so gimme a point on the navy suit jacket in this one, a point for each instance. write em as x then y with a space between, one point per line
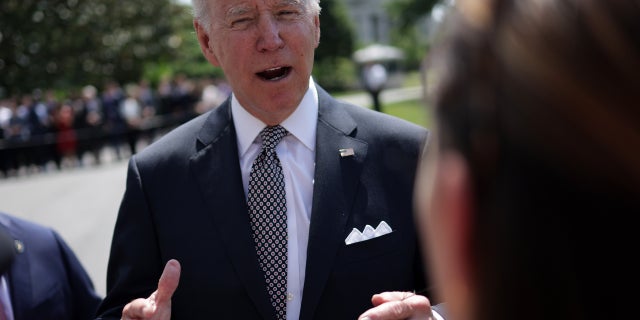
46 280
185 200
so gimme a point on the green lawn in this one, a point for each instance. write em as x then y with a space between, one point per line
410 110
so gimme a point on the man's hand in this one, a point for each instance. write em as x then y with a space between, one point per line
398 305
158 305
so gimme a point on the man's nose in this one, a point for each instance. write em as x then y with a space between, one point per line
269 34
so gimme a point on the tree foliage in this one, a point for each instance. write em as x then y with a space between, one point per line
336 35
70 43
332 68
407 12
63 43
188 58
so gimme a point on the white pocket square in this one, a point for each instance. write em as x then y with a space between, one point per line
368 233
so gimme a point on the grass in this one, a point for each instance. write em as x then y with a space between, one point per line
411 110
412 78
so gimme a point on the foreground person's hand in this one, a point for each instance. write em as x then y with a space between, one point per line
158 305
398 305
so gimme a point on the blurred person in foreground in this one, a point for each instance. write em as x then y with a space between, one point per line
531 183
40 276
348 177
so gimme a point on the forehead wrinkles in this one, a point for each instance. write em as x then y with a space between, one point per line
246 7
282 3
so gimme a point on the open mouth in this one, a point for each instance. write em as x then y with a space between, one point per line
274 74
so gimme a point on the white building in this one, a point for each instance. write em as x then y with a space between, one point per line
372 23
370 20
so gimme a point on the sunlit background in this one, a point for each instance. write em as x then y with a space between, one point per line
84 84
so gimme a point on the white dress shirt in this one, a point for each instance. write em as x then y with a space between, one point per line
296 152
5 299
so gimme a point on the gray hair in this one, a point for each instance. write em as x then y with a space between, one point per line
201 13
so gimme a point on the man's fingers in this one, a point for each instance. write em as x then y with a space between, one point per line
168 282
389 310
161 298
398 305
383 297
136 309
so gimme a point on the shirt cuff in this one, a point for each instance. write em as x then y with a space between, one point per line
436 315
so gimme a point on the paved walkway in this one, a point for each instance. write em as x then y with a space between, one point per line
82 203
386 96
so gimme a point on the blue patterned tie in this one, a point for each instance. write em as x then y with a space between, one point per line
268 214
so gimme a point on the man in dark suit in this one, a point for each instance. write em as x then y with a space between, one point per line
348 177
42 278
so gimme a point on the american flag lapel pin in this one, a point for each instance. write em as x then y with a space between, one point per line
348 152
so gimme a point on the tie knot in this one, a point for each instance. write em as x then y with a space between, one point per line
271 136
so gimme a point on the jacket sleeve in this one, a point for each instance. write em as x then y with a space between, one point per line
85 300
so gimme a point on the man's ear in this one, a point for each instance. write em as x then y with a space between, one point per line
205 43
316 21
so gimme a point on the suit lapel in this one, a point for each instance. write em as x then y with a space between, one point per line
216 168
335 186
20 276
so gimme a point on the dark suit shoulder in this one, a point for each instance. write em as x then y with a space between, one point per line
371 126
46 277
40 241
387 130
177 141
25 227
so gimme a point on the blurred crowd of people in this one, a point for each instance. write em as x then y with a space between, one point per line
41 130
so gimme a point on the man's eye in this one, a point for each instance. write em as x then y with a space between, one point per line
240 22
287 13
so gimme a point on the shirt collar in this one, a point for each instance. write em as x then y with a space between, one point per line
301 123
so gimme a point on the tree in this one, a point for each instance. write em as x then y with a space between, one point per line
336 36
333 67
406 14
188 59
69 43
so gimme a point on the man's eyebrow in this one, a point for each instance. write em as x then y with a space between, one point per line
238 11
285 3
242 9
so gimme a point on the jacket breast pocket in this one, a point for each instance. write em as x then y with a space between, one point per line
369 249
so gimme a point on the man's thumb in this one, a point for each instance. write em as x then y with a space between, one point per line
168 282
